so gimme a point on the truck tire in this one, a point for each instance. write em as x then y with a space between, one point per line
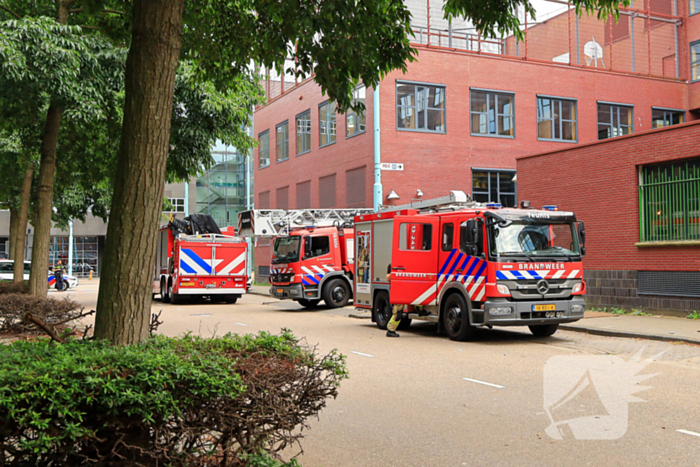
231 299
381 309
336 293
173 297
164 292
455 318
308 303
544 330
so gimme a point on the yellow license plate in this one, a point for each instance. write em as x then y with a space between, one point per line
186 283
280 290
544 307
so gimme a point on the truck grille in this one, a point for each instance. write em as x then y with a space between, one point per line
276 278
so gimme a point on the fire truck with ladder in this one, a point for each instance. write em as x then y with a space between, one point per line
194 258
465 265
312 254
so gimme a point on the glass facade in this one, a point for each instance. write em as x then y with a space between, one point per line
85 254
221 190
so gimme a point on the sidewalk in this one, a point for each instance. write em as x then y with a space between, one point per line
662 328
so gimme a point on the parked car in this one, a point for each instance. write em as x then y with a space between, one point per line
7 274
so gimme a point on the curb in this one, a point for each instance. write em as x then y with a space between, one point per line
633 335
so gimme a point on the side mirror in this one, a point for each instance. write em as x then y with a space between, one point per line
307 247
581 233
472 232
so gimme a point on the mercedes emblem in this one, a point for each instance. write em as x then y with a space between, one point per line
542 287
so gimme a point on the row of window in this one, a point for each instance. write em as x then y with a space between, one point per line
421 107
355 123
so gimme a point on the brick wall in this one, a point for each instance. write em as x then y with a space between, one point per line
436 163
599 182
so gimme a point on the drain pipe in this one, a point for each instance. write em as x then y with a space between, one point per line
378 196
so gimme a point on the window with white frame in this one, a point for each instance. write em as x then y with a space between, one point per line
614 120
264 148
494 186
356 123
666 117
556 119
174 205
303 132
695 61
282 141
420 107
326 120
492 113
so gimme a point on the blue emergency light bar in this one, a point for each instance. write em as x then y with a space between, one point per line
550 207
494 205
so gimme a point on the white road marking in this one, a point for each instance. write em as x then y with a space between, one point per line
484 382
241 324
363 354
691 433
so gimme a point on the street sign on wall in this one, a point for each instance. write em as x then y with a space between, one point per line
391 166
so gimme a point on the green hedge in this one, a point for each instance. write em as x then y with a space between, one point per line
168 401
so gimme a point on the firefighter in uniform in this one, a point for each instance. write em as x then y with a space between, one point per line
396 313
58 275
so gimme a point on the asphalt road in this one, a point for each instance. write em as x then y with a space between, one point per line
423 400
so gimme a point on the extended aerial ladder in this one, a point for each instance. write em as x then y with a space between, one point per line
268 223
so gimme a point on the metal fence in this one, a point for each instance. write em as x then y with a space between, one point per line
647 39
669 202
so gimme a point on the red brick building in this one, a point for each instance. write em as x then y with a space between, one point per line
639 196
468 108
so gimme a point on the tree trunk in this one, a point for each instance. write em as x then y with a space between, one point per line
18 246
38 283
124 301
14 224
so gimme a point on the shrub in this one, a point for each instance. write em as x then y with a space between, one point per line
168 401
7 287
14 308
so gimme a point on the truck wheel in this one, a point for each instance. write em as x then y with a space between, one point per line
336 293
173 297
544 330
231 299
308 303
164 292
455 318
382 310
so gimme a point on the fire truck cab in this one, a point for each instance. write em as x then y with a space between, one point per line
312 254
465 265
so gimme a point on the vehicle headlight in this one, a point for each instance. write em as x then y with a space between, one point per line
501 310
503 289
577 308
577 288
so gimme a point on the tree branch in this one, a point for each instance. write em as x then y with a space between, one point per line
94 28
48 329
114 12
10 12
77 10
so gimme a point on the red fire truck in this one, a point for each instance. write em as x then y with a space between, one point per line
312 254
471 265
195 259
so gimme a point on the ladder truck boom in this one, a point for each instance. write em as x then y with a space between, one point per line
312 253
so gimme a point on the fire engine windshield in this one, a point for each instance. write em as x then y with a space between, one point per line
286 249
534 240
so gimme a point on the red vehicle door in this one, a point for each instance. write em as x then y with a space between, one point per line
414 258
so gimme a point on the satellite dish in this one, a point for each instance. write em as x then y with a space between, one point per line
593 52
